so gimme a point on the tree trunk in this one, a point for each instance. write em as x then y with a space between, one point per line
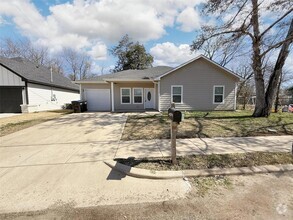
275 76
257 64
277 95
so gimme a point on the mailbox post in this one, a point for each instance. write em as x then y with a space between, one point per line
176 117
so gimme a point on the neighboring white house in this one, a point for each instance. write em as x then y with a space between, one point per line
199 84
29 87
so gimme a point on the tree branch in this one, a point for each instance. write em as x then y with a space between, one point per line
238 12
273 24
277 45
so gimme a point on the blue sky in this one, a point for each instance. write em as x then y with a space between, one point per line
165 27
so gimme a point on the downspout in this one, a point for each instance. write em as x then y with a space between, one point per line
112 97
235 96
159 95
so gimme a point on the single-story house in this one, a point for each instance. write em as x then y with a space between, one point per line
199 84
29 87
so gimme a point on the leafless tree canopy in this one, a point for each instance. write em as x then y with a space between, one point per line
78 65
71 63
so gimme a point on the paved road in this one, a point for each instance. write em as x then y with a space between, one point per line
60 162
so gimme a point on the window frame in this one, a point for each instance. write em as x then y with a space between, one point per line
181 86
121 96
133 95
214 94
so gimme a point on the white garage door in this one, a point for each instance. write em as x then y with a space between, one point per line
98 99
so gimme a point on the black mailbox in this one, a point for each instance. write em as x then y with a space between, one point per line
175 115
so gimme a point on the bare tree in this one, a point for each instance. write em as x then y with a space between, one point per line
78 65
25 49
57 65
244 25
245 88
222 51
286 75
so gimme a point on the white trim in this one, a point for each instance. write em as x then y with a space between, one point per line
129 96
155 87
235 96
142 97
80 94
194 59
154 104
217 103
159 96
181 93
112 97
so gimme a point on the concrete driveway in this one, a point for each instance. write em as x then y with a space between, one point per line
59 163
72 138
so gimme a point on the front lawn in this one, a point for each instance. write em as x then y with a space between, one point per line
208 124
194 162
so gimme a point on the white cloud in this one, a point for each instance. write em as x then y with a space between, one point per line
81 23
168 54
189 20
98 51
101 69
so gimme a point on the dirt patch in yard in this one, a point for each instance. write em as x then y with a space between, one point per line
262 196
194 162
18 122
208 124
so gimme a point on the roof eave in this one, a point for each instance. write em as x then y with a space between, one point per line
89 82
128 80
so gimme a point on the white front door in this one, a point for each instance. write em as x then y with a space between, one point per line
149 98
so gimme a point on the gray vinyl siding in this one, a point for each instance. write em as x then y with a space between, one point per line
198 79
8 78
117 95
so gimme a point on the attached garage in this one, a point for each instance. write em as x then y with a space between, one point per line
10 99
98 99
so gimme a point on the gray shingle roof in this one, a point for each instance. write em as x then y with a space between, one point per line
150 73
36 73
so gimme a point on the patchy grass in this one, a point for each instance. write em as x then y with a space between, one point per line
208 124
205 184
18 122
194 162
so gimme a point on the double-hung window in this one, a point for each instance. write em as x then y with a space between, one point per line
218 94
137 95
177 94
125 95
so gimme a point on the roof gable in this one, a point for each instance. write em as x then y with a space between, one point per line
196 58
38 74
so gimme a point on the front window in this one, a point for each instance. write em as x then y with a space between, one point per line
137 95
177 92
218 94
125 95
